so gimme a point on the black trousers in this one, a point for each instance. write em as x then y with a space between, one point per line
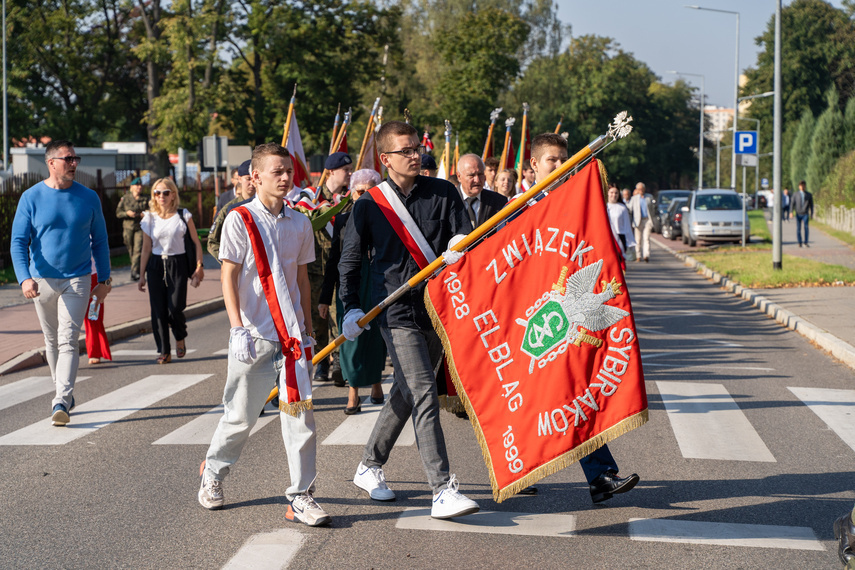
167 294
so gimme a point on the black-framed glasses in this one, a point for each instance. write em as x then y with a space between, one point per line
68 159
162 192
408 152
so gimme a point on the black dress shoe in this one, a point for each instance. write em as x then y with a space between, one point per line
844 532
530 490
608 484
338 378
354 410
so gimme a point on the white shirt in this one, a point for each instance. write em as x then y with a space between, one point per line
619 221
167 234
289 237
476 204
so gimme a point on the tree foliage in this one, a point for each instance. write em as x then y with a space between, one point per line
800 153
825 146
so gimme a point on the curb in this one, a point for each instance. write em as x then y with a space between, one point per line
36 357
838 348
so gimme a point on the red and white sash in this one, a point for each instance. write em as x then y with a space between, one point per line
403 224
297 395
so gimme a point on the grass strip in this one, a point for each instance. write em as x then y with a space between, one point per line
845 237
753 269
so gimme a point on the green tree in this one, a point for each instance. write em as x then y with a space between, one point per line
825 145
476 69
849 126
800 153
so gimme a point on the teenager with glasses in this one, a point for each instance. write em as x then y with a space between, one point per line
166 269
58 229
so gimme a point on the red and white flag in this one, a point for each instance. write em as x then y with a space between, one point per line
541 343
302 177
426 142
372 157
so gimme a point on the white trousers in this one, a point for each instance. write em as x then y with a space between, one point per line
61 307
247 388
642 238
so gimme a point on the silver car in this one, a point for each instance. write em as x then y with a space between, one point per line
713 215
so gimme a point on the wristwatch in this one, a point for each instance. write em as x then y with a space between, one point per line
108 282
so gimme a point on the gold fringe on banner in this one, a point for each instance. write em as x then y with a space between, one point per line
296 408
604 179
569 458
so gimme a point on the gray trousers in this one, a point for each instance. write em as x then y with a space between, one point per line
61 307
415 355
247 388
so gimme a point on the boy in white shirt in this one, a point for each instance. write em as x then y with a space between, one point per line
270 342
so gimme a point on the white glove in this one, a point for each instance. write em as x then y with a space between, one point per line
450 256
241 345
349 327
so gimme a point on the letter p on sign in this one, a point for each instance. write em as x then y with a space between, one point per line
746 142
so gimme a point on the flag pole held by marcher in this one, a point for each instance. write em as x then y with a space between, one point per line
618 129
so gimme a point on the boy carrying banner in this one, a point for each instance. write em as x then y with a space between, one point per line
265 250
402 223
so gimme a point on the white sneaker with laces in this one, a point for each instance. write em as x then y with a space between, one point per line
304 509
373 480
450 503
211 494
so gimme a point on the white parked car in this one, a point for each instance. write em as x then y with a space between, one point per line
713 215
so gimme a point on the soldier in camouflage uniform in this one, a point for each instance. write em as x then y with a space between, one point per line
244 191
340 168
130 211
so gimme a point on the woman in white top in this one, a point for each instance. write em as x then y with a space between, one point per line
166 267
619 220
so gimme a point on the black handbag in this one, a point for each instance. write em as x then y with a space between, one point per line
189 247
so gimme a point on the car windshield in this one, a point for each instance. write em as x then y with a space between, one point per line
717 202
665 198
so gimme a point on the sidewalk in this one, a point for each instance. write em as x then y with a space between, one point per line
127 313
824 315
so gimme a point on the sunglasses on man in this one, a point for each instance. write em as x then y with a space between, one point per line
68 159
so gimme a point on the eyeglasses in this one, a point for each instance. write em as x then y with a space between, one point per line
408 152
162 192
68 159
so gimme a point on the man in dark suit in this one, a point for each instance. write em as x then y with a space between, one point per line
480 204
802 204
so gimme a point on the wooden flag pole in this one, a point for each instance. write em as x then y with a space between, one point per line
368 127
447 152
488 145
287 131
333 146
508 124
618 129
558 126
341 132
522 144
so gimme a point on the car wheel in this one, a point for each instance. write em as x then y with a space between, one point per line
685 240
691 242
672 237
666 232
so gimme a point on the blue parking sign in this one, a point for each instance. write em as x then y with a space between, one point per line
745 142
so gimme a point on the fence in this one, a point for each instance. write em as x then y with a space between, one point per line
199 198
838 217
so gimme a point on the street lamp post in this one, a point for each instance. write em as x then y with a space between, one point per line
5 114
701 136
735 88
776 146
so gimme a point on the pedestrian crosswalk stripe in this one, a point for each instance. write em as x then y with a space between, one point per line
90 416
22 390
222 352
267 551
492 522
835 407
356 429
724 534
695 339
130 352
709 425
710 365
201 430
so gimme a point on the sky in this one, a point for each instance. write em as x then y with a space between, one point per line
667 36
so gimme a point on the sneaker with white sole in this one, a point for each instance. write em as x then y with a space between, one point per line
211 494
60 415
373 480
450 503
304 509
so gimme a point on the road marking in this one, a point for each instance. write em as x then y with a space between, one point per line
356 429
27 389
724 534
492 522
201 430
835 407
112 407
713 366
129 352
709 425
222 352
687 337
648 354
267 551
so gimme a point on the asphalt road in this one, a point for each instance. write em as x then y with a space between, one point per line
729 442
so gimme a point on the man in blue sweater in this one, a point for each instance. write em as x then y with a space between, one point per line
58 228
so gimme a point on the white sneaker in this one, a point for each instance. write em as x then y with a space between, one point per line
449 503
305 510
373 480
211 494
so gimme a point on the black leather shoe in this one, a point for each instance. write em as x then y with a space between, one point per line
322 371
844 532
608 484
337 377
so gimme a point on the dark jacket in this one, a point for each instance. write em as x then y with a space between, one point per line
802 206
331 268
437 209
491 203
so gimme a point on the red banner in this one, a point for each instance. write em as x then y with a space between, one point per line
538 330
